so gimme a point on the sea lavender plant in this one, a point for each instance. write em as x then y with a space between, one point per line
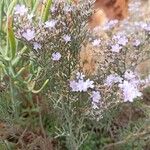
45 78
54 46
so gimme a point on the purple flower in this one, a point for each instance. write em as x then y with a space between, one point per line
56 56
95 96
81 85
136 43
129 75
143 25
132 78
67 9
84 85
110 24
116 48
50 24
74 86
53 9
37 46
29 34
120 38
67 38
122 41
130 91
90 83
20 10
96 42
147 28
113 78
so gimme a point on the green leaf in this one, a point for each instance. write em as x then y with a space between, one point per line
11 42
45 12
19 56
31 85
1 13
19 72
37 91
12 50
35 6
11 7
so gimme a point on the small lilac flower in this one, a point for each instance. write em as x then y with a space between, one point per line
20 10
67 9
95 96
129 75
120 38
136 43
50 24
130 92
29 34
74 86
143 25
37 46
81 85
123 41
132 78
96 42
116 48
117 36
90 83
110 24
67 38
53 9
56 56
147 28
84 85
113 78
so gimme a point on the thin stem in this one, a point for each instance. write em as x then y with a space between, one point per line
40 118
12 97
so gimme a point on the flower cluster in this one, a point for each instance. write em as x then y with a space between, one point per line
57 34
110 24
113 78
82 85
96 97
21 10
118 48
129 85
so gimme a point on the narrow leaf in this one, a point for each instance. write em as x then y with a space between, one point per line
45 11
11 37
37 91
